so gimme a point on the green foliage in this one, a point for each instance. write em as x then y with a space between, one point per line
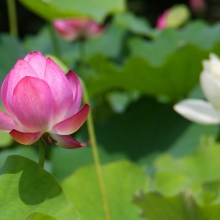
189 139
70 53
26 188
5 139
146 123
121 178
168 66
155 206
10 51
134 24
134 74
184 188
182 206
66 162
194 165
95 9
39 216
101 45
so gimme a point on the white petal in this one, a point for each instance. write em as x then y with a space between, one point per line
198 111
206 66
211 88
215 65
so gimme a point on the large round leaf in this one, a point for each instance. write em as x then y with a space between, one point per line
122 179
39 216
26 187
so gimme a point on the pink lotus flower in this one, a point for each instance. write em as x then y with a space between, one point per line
71 29
40 101
161 21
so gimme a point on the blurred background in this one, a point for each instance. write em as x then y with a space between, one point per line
29 23
135 71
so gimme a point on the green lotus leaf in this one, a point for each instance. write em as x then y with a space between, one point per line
26 187
122 179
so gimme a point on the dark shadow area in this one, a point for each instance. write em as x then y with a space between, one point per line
145 127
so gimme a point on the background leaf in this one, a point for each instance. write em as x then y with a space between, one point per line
134 24
10 51
203 160
173 80
95 9
184 188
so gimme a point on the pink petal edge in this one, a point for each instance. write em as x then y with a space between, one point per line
21 69
38 62
25 138
67 141
6 123
72 124
77 93
60 88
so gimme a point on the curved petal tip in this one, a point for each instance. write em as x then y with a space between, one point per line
25 138
198 111
67 141
72 124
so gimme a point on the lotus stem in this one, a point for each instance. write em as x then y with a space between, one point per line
41 153
91 131
12 18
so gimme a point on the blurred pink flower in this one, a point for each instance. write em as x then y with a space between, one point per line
161 21
198 6
40 101
71 29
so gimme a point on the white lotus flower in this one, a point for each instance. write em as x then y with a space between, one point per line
200 111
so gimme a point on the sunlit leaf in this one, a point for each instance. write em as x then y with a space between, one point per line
25 151
26 187
39 216
66 162
190 139
122 179
202 165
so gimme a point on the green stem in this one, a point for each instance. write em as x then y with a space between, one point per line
41 153
218 135
55 43
190 205
12 18
92 136
82 52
